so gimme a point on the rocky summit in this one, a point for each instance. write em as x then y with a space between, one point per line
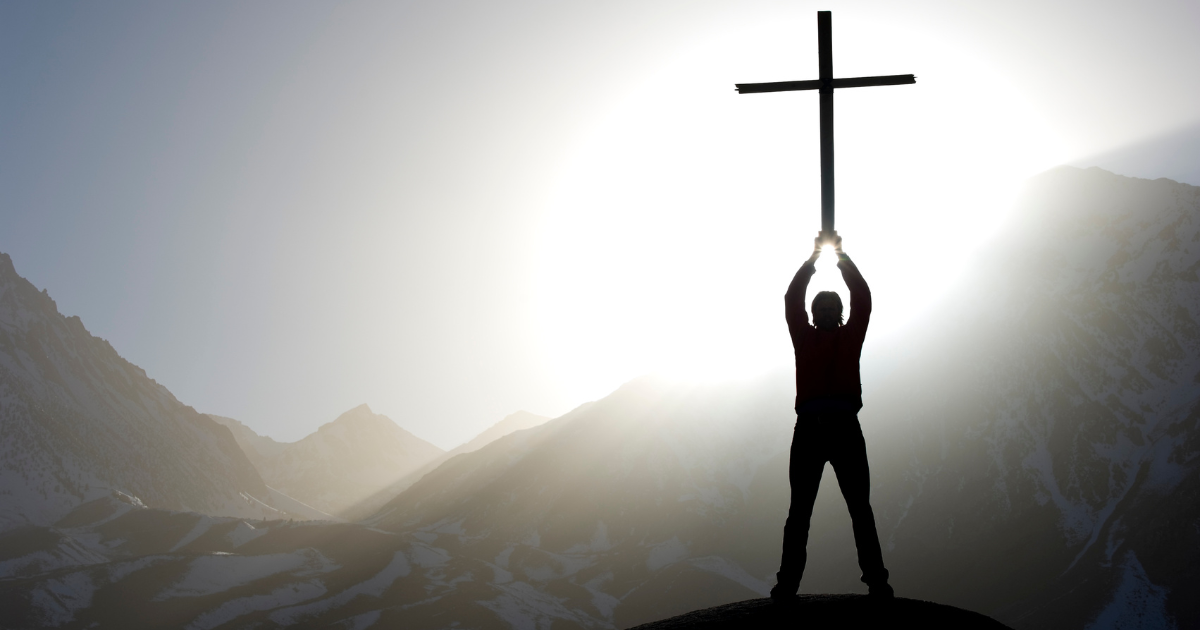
829 611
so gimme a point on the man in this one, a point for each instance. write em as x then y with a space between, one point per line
828 397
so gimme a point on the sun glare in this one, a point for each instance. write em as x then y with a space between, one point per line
676 229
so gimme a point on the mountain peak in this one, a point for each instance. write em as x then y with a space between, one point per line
360 416
361 409
343 462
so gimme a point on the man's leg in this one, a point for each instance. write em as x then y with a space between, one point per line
849 459
804 473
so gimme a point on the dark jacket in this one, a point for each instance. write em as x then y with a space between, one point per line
827 376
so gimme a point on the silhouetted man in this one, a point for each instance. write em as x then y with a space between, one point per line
828 397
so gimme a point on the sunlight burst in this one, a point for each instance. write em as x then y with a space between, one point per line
674 233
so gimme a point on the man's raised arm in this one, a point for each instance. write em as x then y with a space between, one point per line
860 294
793 300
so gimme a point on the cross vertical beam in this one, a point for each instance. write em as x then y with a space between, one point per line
825 85
825 59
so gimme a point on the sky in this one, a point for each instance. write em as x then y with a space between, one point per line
454 210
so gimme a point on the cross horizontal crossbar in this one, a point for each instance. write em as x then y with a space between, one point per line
789 86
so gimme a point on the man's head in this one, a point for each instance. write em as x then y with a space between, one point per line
827 310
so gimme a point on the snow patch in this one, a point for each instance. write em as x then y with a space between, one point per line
598 543
733 572
217 573
244 533
503 556
666 552
374 587
68 553
118 571
234 608
202 525
544 566
428 557
603 602
526 608
361 622
58 599
455 528
1137 603
500 576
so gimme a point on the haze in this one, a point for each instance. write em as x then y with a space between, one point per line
454 210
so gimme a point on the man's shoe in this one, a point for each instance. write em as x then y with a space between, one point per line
882 590
784 592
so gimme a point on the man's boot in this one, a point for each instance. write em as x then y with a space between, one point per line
880 590
784 591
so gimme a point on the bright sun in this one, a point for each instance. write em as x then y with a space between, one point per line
676 229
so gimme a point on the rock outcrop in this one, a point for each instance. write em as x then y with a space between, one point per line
829 611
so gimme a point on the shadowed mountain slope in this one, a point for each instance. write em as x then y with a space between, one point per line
77 422
1046 457
829 611
341 464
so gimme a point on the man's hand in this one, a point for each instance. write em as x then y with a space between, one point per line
830 238
817 244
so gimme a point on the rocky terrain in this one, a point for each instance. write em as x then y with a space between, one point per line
1034 452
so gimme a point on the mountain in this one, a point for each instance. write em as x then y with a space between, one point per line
1034 446
513 422
255 446
1046 460
342 464
78 422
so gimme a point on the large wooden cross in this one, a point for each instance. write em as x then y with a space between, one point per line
826 84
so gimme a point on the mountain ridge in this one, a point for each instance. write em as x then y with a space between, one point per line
79 421
340 465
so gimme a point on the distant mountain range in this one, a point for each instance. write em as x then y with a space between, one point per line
511 423
350 467
341 464
1035 454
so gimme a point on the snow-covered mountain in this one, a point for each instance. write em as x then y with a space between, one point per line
341 465
1035 456
78 422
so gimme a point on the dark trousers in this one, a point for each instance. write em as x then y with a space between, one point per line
835 438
